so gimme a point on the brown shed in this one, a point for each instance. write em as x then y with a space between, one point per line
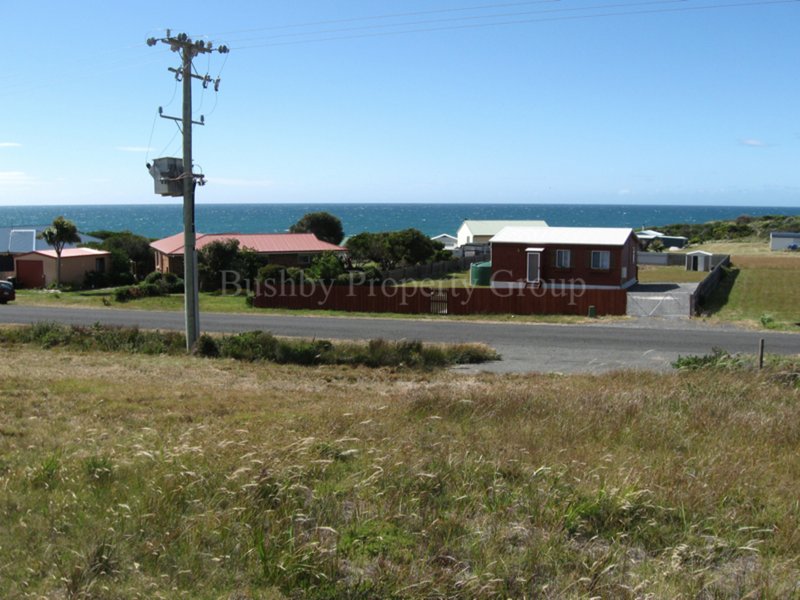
38 269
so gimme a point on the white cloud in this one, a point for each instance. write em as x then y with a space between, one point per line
753 143
10 178
261 183
10 145
13 177
134 149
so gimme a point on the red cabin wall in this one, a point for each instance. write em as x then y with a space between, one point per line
510 264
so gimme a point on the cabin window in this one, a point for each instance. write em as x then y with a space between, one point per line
563 259
100 265
304 259
601 260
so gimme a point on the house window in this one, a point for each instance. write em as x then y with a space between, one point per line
563 259
100 265
601 260
304 259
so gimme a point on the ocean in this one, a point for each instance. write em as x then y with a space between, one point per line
161 220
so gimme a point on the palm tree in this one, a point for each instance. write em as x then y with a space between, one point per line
58 235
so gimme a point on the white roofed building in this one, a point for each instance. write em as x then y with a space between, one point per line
480 232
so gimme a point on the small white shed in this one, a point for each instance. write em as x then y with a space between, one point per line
698 261
784 240
449 241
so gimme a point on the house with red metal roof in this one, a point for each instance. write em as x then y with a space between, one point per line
287 249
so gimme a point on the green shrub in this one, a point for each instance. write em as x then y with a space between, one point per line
694 362
294 274
325 267
468 354
123 294
206 346
297 352
150 289
250 346
154 277
433 356
155 284
272 273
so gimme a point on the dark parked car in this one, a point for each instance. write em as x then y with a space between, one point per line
6 292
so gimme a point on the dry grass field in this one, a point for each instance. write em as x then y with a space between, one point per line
133 476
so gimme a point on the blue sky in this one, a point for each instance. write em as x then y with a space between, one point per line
621 101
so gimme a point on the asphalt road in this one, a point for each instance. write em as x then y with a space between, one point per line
639 344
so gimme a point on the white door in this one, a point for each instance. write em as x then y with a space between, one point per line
534 261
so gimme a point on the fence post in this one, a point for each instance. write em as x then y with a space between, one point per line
761 353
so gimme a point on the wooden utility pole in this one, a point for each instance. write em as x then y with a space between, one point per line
188 49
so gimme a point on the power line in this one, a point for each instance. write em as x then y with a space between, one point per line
269 41
469 18
386 16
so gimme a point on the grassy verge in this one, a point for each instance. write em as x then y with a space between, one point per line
761 290
251 346
128 476
214 302
211 302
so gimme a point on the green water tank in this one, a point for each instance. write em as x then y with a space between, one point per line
480 273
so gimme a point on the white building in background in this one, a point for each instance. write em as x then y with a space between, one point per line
480 232
784 240
447 240
648 236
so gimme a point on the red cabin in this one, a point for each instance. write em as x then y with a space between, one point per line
563 257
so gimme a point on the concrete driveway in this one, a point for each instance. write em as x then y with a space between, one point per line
664 300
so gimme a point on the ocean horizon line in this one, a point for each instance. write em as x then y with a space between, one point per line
637 205
164 219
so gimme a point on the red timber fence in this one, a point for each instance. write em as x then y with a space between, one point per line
380 298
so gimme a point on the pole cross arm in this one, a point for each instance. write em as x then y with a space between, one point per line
161 114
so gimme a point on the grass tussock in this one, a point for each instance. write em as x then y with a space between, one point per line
170 477
250 346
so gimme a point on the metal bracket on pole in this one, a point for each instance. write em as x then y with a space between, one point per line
202 120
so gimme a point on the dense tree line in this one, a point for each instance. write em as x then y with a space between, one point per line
395 248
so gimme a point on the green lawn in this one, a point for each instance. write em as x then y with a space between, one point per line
656 274
761 287
213 302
